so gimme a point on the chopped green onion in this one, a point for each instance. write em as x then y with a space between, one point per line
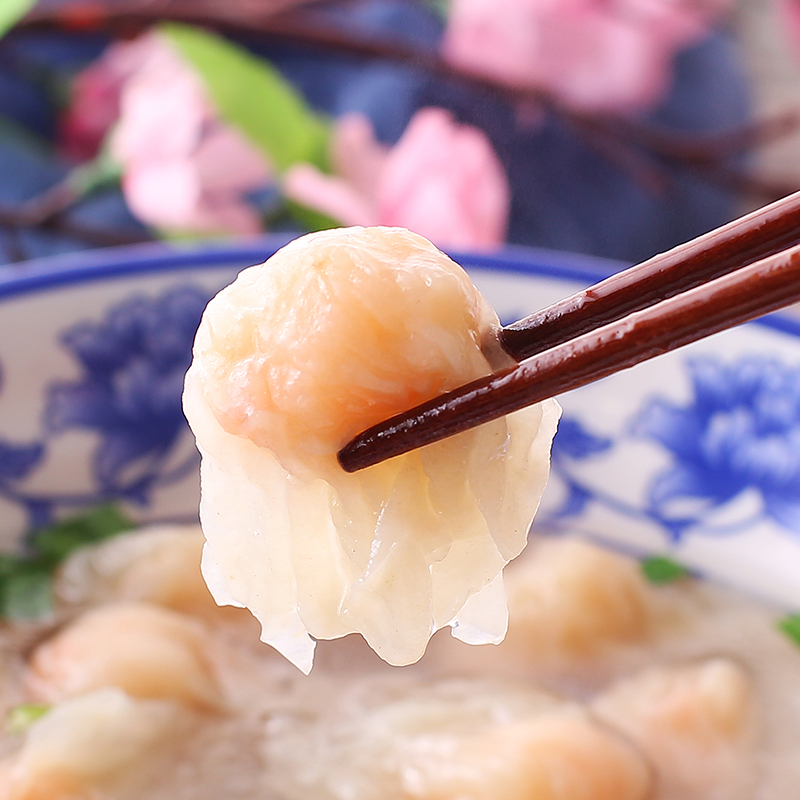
65 536
662 569
20 718
790 625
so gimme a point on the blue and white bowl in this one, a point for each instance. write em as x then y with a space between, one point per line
695 454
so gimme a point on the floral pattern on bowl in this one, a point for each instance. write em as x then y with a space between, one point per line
695 454
127 393
739 432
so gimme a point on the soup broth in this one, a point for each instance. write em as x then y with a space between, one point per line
607 686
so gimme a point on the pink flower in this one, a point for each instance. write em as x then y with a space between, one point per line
590 55
94 101
184 168
442 180
790 10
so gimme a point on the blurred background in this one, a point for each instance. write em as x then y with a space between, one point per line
615 128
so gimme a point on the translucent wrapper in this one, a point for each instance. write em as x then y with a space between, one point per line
335 332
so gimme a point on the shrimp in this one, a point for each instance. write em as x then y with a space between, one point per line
159 564
694 721
571 598
84 740
553 757
571 605
454 740
149 652
337 331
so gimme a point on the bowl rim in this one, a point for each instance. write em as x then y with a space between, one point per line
155 257
86 266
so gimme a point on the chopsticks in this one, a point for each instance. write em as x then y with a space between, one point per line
737 244
744 269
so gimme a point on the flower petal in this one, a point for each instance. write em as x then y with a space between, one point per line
227 161
329 194
443 180
165 194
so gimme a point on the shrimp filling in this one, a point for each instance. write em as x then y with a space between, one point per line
337 331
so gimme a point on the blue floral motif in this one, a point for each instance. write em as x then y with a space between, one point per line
129 392
740 431
572 443
18 461
133 365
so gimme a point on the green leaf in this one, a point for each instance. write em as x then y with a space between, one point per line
8 565
790 625
25 587
11 11
20 718
252 95
309 218
28 593
56 542
26 581
661 569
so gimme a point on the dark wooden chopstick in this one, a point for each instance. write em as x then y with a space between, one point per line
764 232
747 293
